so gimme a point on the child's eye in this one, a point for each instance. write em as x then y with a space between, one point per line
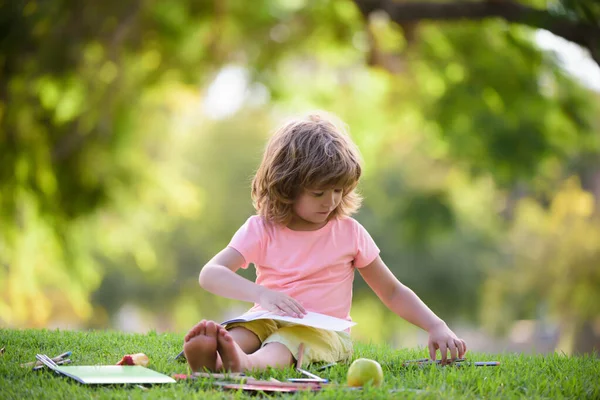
318 194
338 190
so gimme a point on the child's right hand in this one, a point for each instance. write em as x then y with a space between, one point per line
280 303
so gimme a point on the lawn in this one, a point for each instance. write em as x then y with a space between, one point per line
552 376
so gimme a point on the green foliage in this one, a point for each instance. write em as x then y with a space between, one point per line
116 186
552 376
585 10
478 99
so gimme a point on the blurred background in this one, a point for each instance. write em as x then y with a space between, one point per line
130 131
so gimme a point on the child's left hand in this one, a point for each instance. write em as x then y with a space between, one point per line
442 338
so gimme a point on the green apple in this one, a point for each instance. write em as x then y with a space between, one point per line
363 371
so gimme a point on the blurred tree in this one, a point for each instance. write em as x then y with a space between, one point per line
87 175
113 181
575 20
555 257
529 153
487 75
77 165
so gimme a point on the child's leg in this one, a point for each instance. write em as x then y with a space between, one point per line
246 339
281 347
236 360
200 345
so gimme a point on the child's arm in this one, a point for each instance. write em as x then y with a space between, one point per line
406 304
218 276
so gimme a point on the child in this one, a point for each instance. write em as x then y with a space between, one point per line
305 247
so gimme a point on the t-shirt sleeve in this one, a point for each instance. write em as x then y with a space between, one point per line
367 250
247 240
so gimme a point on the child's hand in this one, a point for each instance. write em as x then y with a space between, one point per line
441 337
281 303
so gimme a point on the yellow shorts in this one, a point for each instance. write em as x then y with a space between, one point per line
320 345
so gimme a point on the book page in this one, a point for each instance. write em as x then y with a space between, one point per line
313 319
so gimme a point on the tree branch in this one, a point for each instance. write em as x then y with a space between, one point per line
583 33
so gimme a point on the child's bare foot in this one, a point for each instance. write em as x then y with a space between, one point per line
200 346
233 357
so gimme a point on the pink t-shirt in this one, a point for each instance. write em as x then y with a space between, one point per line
314 267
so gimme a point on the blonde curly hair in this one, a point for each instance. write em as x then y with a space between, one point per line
310 152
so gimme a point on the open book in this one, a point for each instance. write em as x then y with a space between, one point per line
313 319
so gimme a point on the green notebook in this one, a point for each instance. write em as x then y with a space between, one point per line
113 374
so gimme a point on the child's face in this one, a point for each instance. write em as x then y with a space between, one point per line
313 207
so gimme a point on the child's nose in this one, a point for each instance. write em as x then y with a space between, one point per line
330 199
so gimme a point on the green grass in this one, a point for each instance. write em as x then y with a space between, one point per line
519 376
